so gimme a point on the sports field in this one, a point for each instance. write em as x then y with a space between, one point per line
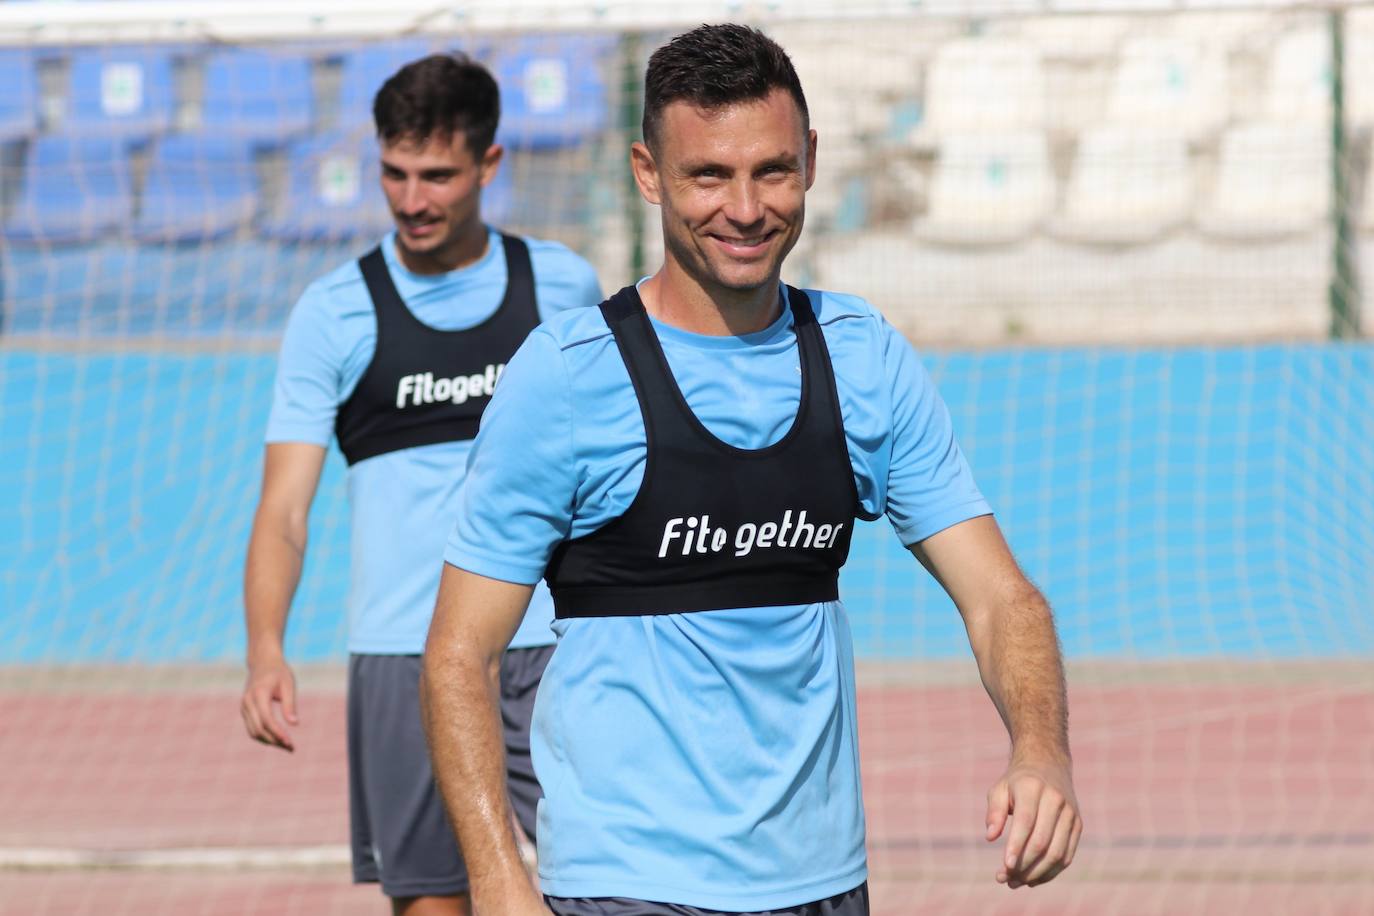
1131 245
1200 518
1207 788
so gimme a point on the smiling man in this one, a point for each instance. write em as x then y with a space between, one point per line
685 465
396 355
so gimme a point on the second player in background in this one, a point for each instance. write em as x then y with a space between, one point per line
396 355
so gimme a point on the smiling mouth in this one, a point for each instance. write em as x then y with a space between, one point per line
745 243
413 225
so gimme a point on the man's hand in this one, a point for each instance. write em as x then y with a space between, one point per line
269 703
1045 823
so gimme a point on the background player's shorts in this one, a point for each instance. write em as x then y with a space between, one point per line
400 834
850 903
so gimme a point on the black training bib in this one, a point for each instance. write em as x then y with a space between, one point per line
424 385
714 526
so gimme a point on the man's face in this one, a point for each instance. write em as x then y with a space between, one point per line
732 184
434 190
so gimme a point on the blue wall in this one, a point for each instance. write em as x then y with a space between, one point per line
1179 502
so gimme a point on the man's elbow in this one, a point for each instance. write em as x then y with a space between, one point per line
1012 605
451 657
441 658
284 521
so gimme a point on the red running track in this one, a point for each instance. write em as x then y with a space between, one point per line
1254 798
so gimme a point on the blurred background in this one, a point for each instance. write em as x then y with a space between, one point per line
1127 236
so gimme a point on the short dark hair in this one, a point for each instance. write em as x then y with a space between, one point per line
717 65
439 94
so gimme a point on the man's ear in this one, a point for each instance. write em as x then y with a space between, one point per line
645 170
810 158
491 163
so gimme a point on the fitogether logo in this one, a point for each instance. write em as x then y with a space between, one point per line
424 388
695 534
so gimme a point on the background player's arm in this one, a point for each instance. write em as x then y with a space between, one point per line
276 552
1011 631
474 620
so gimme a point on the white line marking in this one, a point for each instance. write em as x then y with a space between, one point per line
213 857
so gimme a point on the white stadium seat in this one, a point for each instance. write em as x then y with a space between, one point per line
1359 69
983 84
1084 38
988 188
1128 185
1222 29
1273 179
1299 86
1169 83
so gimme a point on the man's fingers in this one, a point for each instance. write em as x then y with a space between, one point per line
278 717
288 699
262 719
1073 840
250 719
999 803
1053 860
1025 802
260 716
1042 837
272 724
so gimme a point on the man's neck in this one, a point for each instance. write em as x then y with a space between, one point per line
675 297
461 252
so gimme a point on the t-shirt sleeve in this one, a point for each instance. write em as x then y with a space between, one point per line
565 280
930 485
516 500
306 393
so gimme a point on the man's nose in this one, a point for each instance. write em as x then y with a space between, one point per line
743 206
413 200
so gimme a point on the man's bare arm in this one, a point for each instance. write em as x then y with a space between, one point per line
1011 631
276 552
460 688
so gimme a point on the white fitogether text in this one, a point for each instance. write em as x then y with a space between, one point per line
695 534
424 388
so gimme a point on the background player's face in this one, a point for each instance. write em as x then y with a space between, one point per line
731 184
434 189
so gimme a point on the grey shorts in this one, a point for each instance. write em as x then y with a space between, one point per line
400 834
850 903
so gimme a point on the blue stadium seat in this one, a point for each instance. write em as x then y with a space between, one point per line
264 98
363 73
333 192
19 101
198 187
553 91
120 92
75 189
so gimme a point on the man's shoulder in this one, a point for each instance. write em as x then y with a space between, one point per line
831 307
576 328
342 287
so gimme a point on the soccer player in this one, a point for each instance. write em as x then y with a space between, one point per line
396 356
685 466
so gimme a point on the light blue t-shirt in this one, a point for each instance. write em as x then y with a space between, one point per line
711 758
402 503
